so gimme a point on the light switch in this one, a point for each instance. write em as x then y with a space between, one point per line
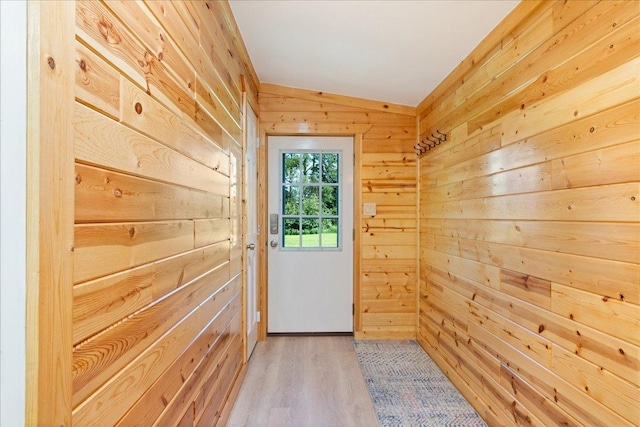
370 209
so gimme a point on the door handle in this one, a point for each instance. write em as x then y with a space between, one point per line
273 243
251 246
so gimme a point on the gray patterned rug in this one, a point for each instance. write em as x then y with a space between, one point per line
408 389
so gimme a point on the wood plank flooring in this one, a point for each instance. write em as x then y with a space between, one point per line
303 381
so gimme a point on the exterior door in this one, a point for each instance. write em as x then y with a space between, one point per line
251 206
310 234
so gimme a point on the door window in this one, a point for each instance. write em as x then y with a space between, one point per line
310 200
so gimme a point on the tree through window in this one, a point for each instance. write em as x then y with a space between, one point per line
310 199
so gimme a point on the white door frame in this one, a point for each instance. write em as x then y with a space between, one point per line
357 207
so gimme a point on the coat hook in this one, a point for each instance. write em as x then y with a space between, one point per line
440 139
425 146
436 142
443 134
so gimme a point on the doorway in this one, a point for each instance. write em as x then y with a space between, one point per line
310 234
251 218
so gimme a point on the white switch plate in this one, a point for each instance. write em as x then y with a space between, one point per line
370 209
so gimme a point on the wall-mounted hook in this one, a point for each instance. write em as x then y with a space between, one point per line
443 134
435 142
425 146
440 139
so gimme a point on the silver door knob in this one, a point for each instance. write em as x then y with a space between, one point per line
251 246
273 244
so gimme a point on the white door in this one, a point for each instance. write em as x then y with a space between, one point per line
310 234
251 206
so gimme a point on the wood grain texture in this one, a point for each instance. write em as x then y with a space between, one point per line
136 333
155 312
49 222
303 381
97 83
107 248
105 196
308 95
101 303
148 116
100 141
529 222
386 174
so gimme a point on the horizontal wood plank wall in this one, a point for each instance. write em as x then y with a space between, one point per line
530 218
157 319
388 250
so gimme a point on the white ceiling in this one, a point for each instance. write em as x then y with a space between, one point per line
389 50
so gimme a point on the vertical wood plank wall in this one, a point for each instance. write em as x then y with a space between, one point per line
158 215
529 232
387 253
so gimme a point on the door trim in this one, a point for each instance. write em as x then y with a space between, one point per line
356 134
248 109
50 212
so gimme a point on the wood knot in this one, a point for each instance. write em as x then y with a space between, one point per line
592 129
83 65
138 108
117 192
132 232
160 56
540 328
51 62
78 179
621 351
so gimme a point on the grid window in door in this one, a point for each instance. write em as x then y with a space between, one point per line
310 198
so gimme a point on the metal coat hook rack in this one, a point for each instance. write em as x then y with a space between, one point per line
429 143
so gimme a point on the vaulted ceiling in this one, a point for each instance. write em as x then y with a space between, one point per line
389 50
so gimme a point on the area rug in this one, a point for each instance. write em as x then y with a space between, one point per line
408 389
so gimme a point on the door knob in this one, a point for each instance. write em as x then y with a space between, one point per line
273 243
251 246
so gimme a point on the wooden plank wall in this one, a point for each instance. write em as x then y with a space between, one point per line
529 231
156 311
386 243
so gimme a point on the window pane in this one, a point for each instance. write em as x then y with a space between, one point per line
291 167
311 167
291 232
329 233
330 167
310 200
291 200
310 238
329 200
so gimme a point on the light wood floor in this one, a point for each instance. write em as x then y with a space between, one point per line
303 381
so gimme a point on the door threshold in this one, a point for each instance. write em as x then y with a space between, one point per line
310 334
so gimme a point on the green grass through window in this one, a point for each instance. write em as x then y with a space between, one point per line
329 240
